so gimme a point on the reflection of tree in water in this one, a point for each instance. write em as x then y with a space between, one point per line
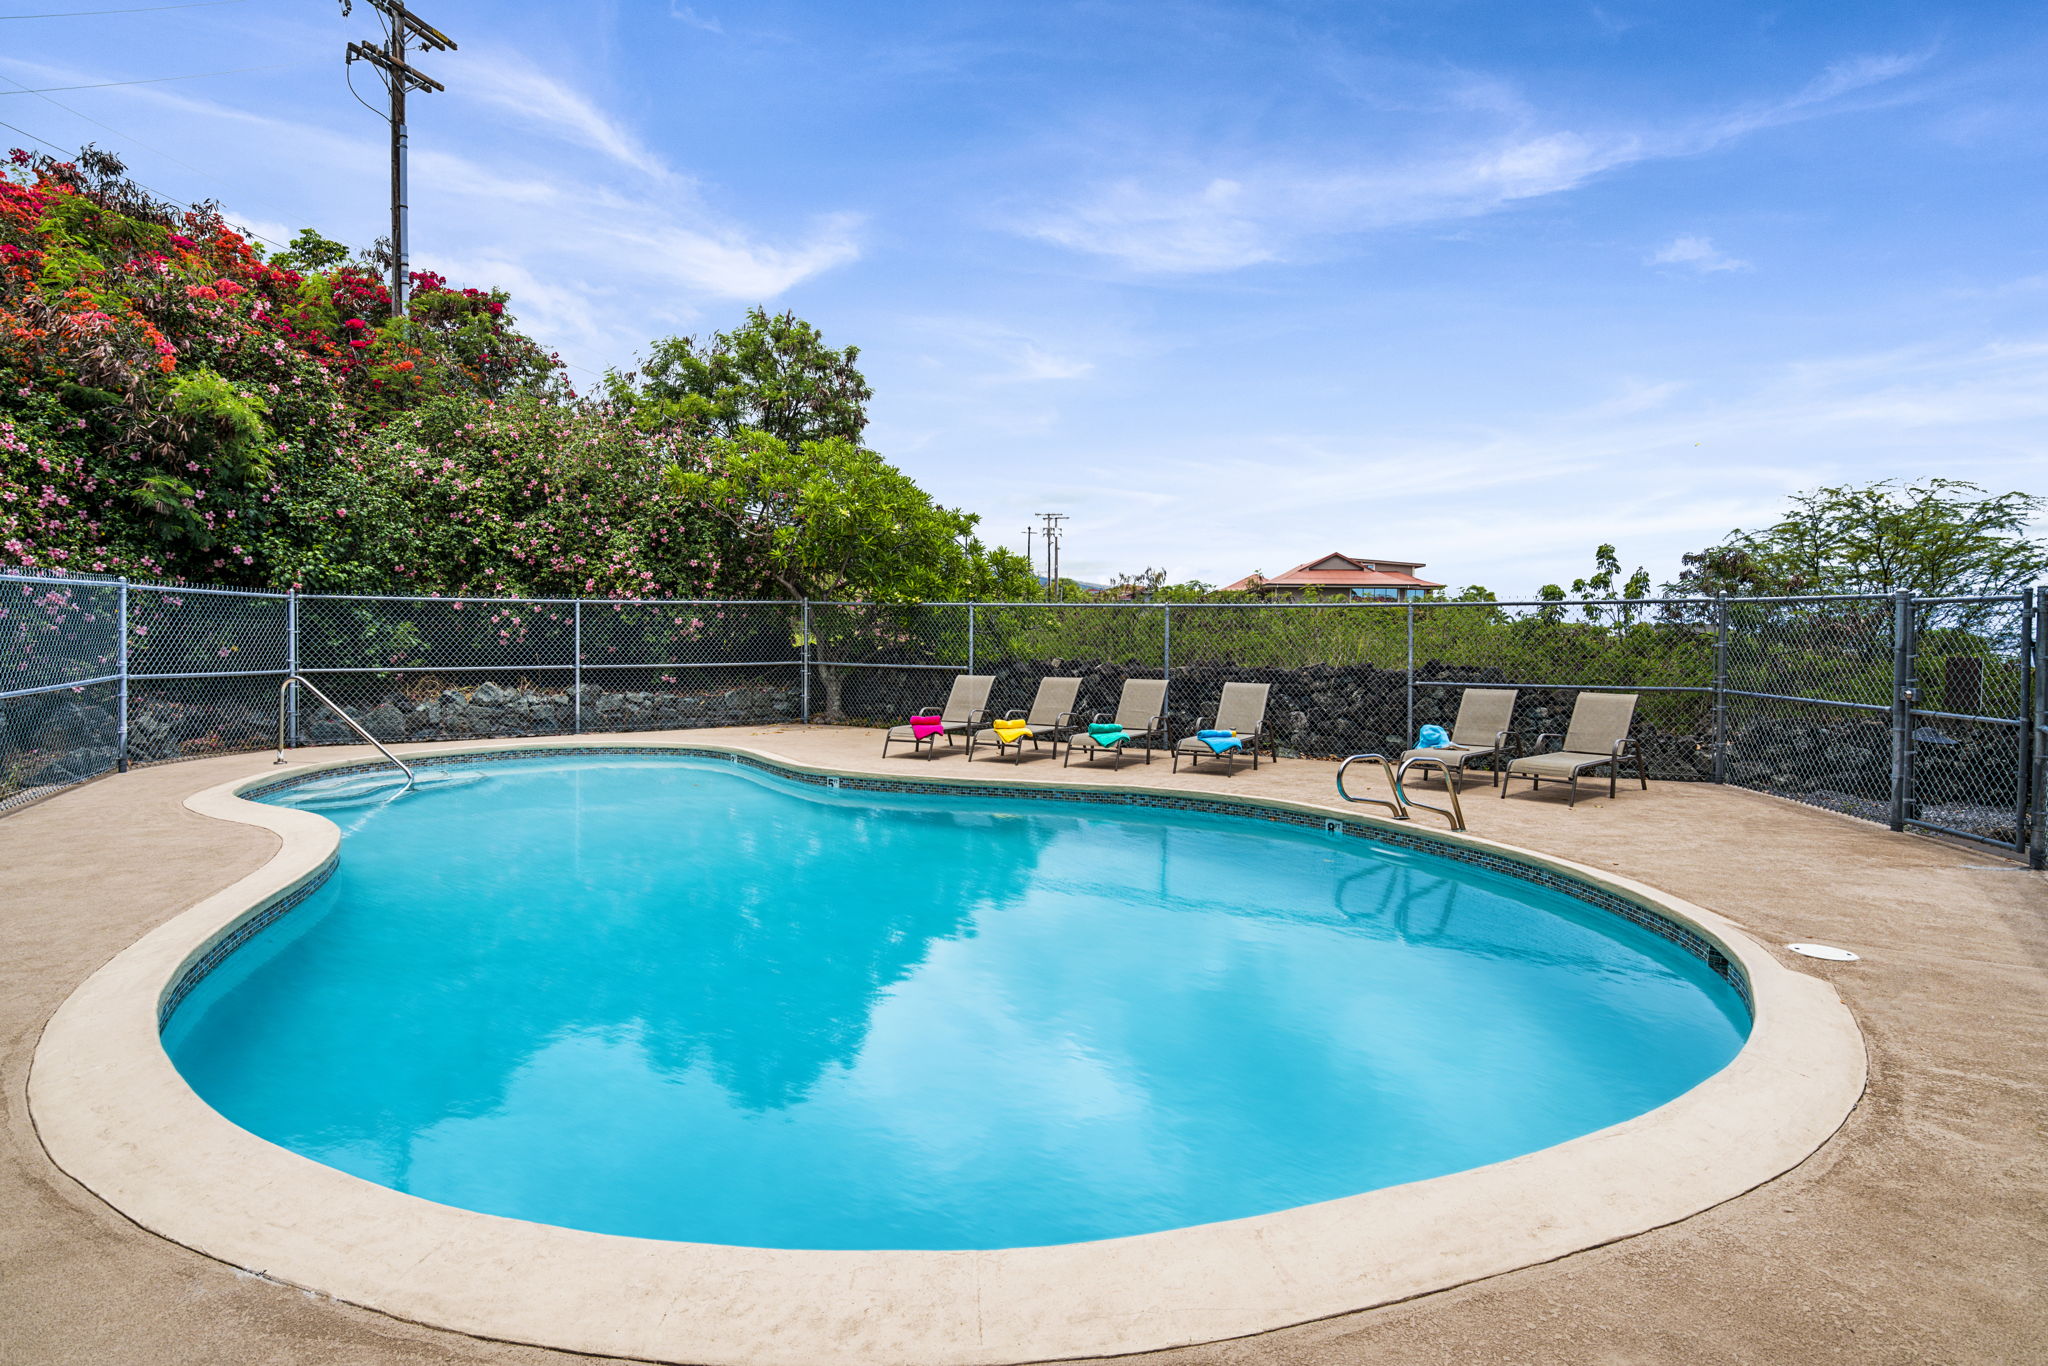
793 962
754 947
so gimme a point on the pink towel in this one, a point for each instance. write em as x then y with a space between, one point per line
923 727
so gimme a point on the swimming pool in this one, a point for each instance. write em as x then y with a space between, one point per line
683 999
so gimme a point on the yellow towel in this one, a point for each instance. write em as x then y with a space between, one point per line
1009 732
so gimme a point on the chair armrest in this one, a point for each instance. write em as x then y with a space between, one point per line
1547 735
1065 718
928 714
1015 714
1502 740
977 716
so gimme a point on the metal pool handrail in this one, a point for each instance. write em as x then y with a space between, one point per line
1401 802
347 720
1456 812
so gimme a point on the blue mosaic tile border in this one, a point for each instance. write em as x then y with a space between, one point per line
248 928
1602 898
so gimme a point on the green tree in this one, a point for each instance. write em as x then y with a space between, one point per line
309 253
1938 537
1598 586
773 374
834 521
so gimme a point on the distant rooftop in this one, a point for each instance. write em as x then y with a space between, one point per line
1361 576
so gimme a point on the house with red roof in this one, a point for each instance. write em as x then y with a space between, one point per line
1375 579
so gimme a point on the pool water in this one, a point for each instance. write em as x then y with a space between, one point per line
679 998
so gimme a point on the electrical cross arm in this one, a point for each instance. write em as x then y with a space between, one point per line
363 52
426 32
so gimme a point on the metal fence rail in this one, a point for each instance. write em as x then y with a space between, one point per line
1919 713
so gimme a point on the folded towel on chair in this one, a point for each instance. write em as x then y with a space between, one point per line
1107 734
1010 732
1220 740
924 727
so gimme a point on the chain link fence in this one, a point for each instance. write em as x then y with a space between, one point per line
1916 712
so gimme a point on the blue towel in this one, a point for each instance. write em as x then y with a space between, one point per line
1219 740
1433 737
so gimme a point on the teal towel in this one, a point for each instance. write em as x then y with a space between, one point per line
1107 734
1219 740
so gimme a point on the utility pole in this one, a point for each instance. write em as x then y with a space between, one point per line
1053 535
400 25
1028 529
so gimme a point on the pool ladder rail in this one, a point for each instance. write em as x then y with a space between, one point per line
284 712
1396 776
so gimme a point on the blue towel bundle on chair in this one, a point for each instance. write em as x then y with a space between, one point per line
1433 737
1220 740
1107 734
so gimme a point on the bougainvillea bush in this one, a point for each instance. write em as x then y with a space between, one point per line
177 404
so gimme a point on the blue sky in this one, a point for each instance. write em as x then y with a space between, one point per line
1232 284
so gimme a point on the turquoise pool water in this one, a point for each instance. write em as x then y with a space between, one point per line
678 998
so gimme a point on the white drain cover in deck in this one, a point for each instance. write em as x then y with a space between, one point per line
1827 951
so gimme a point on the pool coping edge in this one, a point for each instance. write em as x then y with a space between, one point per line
115 1115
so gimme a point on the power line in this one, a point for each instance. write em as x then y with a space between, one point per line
146 9
148 80
66 151
76 113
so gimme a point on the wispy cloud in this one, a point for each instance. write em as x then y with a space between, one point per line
1196 216
688 15
512 83
730 263
1696 253
980 353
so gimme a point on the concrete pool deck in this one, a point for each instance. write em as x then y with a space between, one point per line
1914 1235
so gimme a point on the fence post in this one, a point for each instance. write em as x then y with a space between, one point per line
1409 676
291 665
1904 695
1721 686
2036 838
576 665
1166 667
970 638
804 661
121 724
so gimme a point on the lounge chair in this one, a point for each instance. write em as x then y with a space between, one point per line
1140 718
966 707
1480 732
1241 709
1598 735
1051 718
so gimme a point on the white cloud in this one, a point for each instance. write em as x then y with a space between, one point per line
981 353
1187 213
730 264
509 82
1224 223
1697 253
678 10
